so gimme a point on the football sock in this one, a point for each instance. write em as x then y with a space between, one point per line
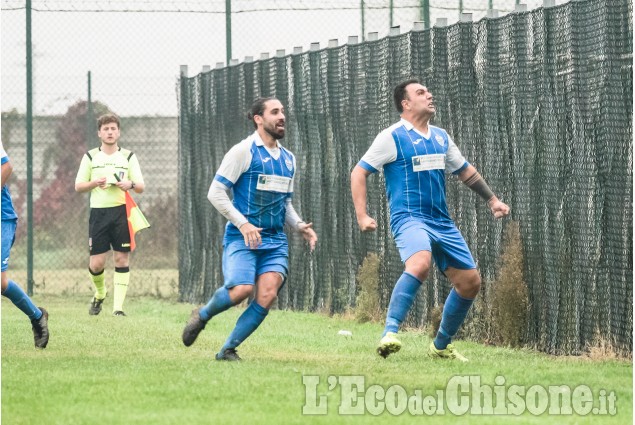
219 302
22 300
403 295
454 312
121 280
248 322
99 282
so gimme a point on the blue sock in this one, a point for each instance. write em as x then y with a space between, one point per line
246 324
454 312
219 302
22 300
403 295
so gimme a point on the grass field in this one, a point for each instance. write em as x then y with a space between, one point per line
135 370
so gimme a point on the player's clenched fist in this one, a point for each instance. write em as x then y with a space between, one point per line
367 224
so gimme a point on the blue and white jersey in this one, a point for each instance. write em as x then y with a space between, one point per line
261 180
8 212
414 166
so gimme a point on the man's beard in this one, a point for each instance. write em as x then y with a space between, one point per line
275 133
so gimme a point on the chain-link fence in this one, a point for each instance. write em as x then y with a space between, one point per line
132 50
540 102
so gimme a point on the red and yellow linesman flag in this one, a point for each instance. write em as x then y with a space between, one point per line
136 219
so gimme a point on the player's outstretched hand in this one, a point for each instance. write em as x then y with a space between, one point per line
309 235
367 224
251 234
499 209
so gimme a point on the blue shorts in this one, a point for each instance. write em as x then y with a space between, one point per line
8 237
242 265
445 242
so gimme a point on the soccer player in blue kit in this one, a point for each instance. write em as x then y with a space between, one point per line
10 289
414 156
260 173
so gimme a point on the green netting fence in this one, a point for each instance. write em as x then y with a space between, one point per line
540 102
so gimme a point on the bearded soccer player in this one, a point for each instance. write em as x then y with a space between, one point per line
260 172
414 156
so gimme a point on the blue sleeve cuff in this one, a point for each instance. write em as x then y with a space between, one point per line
5 159
463 167
366 166
223 180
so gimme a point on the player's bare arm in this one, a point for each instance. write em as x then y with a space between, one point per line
358 190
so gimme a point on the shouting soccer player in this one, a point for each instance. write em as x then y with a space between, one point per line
414 156
260 172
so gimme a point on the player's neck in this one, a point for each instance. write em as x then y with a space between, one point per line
109 149
419 122
268 140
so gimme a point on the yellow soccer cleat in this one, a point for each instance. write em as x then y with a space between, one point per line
389 344
449 353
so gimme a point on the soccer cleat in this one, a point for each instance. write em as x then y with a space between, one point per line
389 344
118 313
95 306
229 355
193 327
449 353
41 329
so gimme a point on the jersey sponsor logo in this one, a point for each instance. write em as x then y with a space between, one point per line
440 140
273 183
416 142
266 159
428 162
289 164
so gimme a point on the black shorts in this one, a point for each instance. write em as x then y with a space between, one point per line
108 227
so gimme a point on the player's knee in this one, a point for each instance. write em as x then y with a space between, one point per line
419 268
267 296
476 282
472 285
240 292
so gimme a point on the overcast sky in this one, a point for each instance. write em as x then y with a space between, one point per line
134 57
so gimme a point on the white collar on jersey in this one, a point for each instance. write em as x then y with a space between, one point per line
274 152
409 126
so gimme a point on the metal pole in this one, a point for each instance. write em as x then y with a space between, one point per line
228 31
29 152
490 4
363 23
461 7
425 13
391 12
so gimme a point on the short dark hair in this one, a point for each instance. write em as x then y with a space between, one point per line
400 92
258 108
107 119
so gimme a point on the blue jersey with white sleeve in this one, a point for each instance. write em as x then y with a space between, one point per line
8 212
414 166
261 180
